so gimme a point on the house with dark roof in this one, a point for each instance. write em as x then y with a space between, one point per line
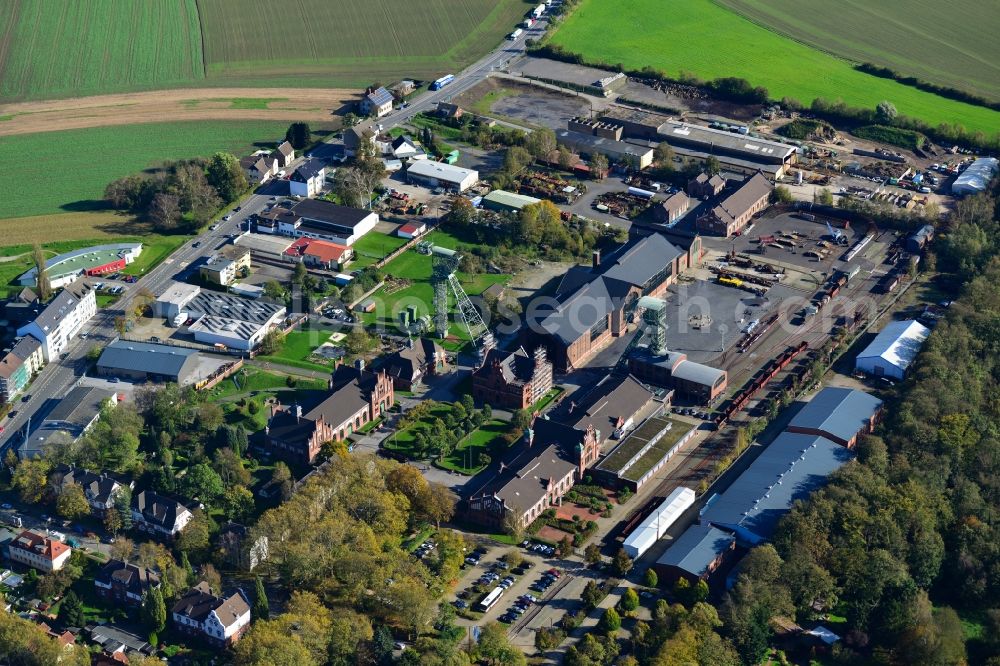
221 621
734 212
99 489
512 380
119 643
405 148
72 416
410 366
356 398
259 168
672 208
838 414
284 154
315 218
551 458
610 407
159 515
696 381
704 185
377 102
17 366
148 362
358 136
597 303
307 180
124 583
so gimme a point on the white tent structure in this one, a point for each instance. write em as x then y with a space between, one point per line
893 349
658 522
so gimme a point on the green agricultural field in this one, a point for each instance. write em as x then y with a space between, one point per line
68 170
951 44
710 41
54 48
348 44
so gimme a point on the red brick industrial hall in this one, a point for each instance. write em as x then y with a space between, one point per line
596 303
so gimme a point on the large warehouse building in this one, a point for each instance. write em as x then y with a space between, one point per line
893 349
976 177
146 362
315 218
90 261
440 174
839 414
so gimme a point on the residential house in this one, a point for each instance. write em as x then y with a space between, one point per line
377 102
449 110
39 552
21 308
284 154
226 266
62 319
403 89
316 218
18 365
307 181
259 168
159 515
672 208
405 148
704 185
410 366
734 212
319 253
357 397
358 136
219 620
124 583
99 489
239 547
512 380
543 468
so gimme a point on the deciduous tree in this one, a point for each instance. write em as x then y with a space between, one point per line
226 175
72 503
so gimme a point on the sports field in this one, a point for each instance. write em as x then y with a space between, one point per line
55 48
347 43
54 172
951 44
704 38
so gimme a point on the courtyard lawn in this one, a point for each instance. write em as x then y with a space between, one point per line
402 441
254 380
547 399
373 246
487 439
415 268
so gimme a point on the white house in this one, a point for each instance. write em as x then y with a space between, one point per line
39 552
403 147
62 319
376 102
159 515
316 218
893 349
307 181
222 621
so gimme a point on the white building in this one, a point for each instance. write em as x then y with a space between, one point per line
307 181
232 321
316 218
893 349
39 552
159 515
220 620
376 102
62 319
657 523
976 177
439 174
173 301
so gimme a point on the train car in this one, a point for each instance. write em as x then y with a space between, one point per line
730 281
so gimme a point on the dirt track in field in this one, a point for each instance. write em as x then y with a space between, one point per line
312 104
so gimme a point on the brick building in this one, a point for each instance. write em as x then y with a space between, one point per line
124 583
730 215
512 380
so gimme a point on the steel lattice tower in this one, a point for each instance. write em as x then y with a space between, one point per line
444 264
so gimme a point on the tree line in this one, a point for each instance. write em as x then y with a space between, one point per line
181 196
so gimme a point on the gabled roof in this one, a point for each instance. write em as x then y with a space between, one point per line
898 343
150 358
157 509
285 148
308 170
198 602
789 469
696 549
39 545
407 362
614 397
839 412
97 487
134 579
516 366
65 302
739 202
379 96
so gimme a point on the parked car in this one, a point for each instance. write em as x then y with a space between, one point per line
459 604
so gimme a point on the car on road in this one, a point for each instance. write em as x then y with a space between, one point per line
12 413
6 506
26 398
196 244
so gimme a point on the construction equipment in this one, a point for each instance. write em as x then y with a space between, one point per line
444 265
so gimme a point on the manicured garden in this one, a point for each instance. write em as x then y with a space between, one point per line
476 451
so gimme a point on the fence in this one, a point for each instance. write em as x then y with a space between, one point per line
219 375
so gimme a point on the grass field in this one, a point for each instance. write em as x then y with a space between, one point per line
487 439
54 48
319 42
416 268
710 41
67 171
372 247
952 44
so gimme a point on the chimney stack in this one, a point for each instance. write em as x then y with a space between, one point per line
597 259
359 365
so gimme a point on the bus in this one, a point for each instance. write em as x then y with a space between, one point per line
490 600
442 82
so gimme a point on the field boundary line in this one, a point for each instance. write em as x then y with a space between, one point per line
201 38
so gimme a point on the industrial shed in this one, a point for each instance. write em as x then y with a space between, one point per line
507 202
439 174
839 414
695 554
657 523
976 177
789 469
142 361
893 349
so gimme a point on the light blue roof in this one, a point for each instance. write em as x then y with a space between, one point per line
789 469
839 412
696 549
976 177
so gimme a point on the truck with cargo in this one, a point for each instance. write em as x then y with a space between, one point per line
514 35
538 11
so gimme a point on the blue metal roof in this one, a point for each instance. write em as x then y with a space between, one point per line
789 469
840 412
696 549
